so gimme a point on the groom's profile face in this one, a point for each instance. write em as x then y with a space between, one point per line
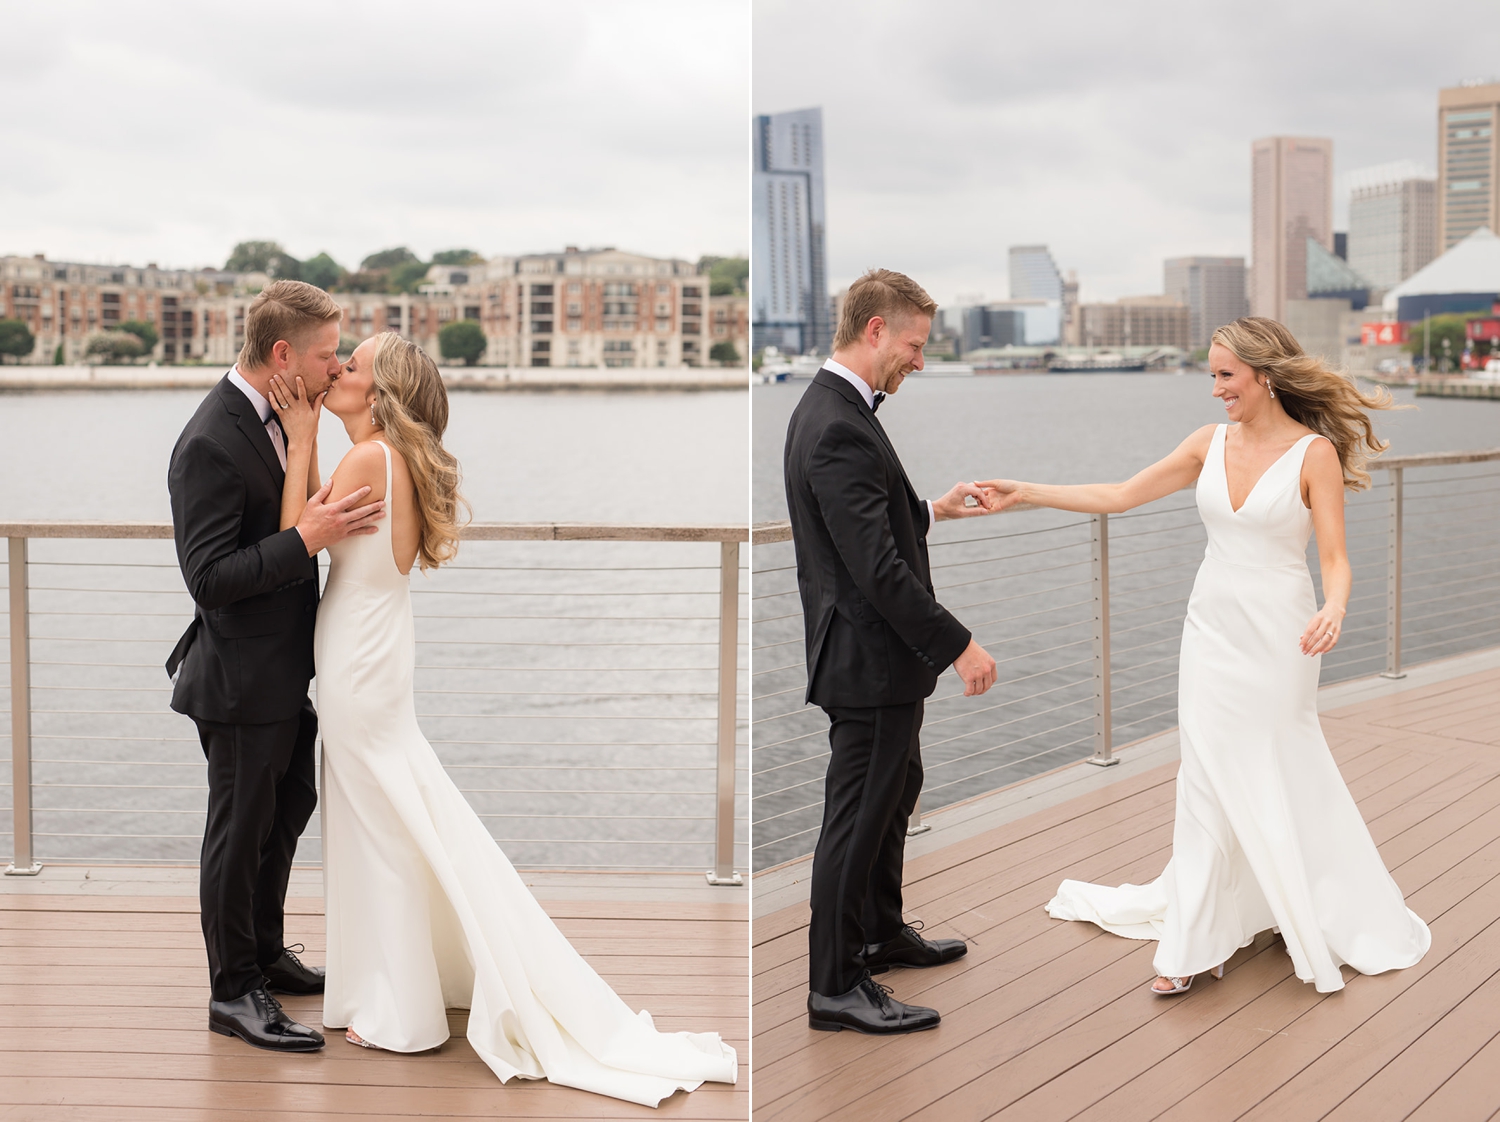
898 350
316 362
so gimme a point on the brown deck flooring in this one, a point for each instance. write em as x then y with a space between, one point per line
103 1016
1052 1020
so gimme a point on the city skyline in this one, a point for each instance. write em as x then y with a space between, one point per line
169 141
1115 161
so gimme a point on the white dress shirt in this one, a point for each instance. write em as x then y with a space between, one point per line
263 411
869 395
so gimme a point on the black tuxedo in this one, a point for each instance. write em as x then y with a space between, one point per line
876 641
242 669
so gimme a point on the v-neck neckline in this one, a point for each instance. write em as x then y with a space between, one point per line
1224 465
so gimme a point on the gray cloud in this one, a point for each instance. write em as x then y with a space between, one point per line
1118 134
169 131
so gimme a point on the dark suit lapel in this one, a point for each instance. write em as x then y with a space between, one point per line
249 423
833 381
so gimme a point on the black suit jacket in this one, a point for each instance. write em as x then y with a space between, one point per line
876 634
248 655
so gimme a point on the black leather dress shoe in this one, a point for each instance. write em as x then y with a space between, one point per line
868 1007
910 949
257 1019
288 974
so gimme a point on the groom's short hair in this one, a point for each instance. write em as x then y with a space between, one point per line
884 293
284 309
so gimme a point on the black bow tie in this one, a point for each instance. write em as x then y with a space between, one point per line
273 419
875 405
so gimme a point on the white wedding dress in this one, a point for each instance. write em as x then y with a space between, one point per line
425 912
1266 833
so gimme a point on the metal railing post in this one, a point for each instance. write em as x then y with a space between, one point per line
729 641
24 864
1393 577
914 824
1103 698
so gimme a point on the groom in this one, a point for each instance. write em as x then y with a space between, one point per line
242 668
877 640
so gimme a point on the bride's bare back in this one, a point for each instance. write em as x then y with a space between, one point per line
364 466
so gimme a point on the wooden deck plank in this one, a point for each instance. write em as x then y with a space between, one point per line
1042 1023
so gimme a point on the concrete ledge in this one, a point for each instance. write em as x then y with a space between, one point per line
787 884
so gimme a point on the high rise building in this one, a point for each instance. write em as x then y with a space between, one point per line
1135 321
789 274
992 326
1213 288
1468 189
1291 200
1392 227
1033 274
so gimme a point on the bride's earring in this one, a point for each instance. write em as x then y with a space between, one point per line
376 423
1269 390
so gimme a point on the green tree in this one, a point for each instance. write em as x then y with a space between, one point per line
1449 327
406 276
727 276
16 339
724 354
57 355
323 271
116 346
462 339
145 332
387 259
264 257
457 257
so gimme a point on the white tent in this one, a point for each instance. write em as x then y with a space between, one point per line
1471 266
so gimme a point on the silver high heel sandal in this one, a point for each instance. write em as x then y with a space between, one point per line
354 1038
1182 985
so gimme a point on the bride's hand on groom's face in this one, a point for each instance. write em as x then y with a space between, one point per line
298 410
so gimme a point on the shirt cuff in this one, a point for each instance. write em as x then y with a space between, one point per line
931 515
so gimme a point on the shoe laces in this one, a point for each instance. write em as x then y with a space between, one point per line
915 927
881 994
294 950
268 1001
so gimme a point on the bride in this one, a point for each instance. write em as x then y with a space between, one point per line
424 911
1266 833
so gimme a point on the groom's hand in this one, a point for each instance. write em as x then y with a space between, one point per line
976 668
324 523
952 504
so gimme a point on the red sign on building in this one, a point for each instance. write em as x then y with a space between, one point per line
1483 329
1382 334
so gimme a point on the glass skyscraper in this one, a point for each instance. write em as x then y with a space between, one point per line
789 279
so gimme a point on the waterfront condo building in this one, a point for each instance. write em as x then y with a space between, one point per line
65 304
1033 274
1291 200
789 283
1212 288
1468 188
1135 321
596 307
1393 228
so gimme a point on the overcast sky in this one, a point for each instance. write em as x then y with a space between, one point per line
1116 133
167 132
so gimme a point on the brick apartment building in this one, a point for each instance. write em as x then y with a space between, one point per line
596 307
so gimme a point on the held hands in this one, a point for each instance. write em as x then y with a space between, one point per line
324 523
976 668
1001 494
954 504
1323 631
298 411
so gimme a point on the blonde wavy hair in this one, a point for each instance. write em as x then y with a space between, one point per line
1312 392
411 405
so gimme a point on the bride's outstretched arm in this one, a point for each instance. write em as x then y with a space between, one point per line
299 423
1323 485
1173 473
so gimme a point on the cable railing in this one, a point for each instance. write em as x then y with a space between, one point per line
1083 615
585 685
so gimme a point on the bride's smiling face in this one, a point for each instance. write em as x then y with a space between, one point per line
354 388
1244 395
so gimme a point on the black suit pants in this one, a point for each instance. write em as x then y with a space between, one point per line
874 778
262 790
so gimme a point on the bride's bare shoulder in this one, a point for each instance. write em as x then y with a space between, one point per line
362 466
1198 441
